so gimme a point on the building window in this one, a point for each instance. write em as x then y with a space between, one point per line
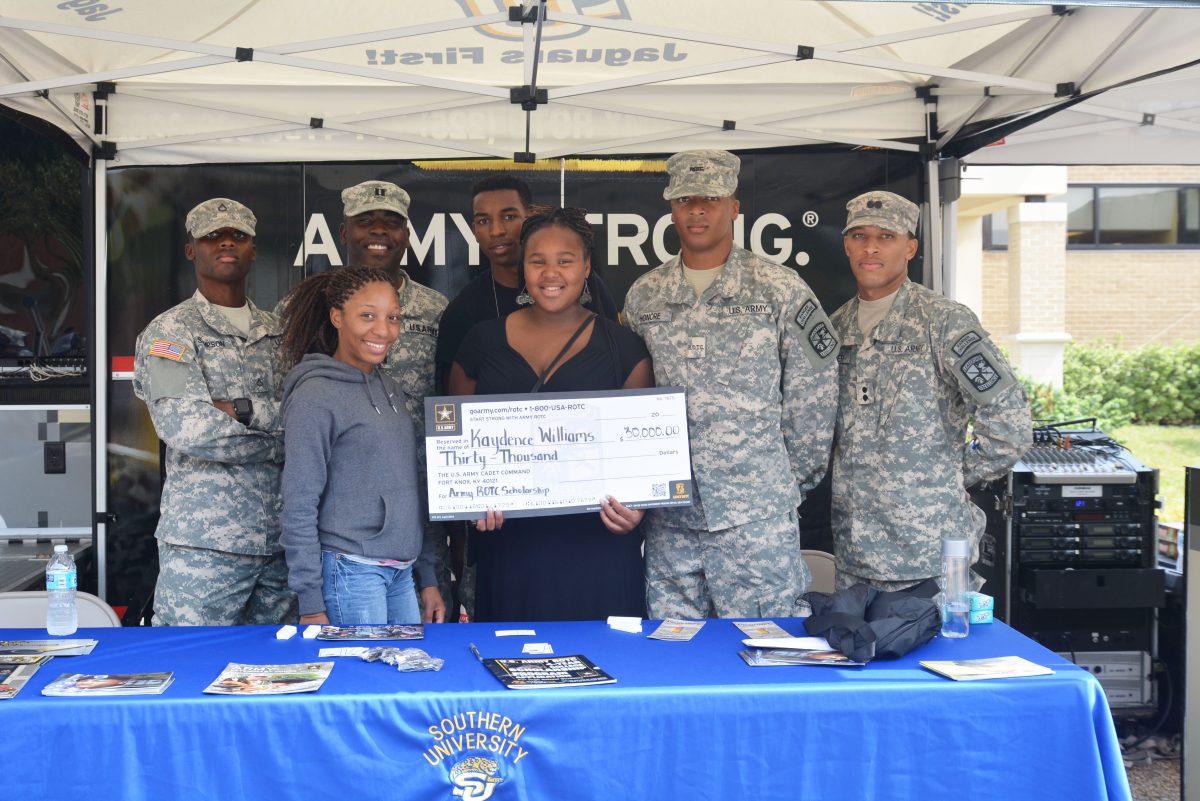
1133 216
995 230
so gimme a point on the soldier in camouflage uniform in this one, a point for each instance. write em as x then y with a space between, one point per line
207 370
914 368
750 343
375 232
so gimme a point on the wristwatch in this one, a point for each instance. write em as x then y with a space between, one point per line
243 409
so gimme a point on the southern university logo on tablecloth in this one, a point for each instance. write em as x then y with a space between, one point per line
478 751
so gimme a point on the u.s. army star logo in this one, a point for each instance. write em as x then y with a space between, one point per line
979 371
822 340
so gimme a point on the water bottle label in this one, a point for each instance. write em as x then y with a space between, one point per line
60 580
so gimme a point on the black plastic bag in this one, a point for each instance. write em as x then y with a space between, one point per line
865 623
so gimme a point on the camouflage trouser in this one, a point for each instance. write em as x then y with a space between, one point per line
751 571
844 580
201 587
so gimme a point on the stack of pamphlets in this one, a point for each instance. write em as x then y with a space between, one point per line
770 651
15 671
996 667
531 673
76 684
239 679
677 630
407 631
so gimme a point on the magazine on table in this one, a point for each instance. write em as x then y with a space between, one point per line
534 672
404 631
15 671
93 684
766 657
995 667
240 679
47 647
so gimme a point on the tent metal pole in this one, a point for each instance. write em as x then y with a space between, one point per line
941 30
851 105
933 240
369 37
66 81
303 121
949 219
393 76
1137 117
790 49
576 150
895 65
102 375
667 75
1063 133
474 150
117 37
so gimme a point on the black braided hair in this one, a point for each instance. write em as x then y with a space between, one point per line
573 219
306 324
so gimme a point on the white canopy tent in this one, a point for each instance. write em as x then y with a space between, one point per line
160 82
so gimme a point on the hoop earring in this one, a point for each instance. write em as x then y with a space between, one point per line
524 299
585 297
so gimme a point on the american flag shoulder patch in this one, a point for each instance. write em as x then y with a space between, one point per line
168 350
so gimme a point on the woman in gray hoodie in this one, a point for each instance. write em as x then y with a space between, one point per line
352 510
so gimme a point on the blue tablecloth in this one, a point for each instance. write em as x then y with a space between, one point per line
684 720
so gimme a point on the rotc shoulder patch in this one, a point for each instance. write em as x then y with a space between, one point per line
980 372
822 340
168 350
806 311
965 341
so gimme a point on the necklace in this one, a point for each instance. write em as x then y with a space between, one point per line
495 299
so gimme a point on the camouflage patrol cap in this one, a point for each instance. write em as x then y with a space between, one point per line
217 213
885 210
371 195
704 173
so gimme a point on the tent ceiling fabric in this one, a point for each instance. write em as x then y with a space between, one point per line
267 80
1150 122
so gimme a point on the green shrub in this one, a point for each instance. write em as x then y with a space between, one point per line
1154 385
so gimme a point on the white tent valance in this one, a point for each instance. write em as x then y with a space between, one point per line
302 80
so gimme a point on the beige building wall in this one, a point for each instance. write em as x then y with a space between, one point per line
994 314
1139 296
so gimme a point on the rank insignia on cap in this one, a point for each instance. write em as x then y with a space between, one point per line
168 350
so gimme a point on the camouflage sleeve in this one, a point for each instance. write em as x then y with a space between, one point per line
1003 429
268 412
808 351
180 406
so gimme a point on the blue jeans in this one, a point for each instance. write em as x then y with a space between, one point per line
358 594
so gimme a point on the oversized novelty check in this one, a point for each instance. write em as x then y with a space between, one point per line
556 452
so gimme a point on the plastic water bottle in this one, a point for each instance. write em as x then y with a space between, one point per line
956 583
61 615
